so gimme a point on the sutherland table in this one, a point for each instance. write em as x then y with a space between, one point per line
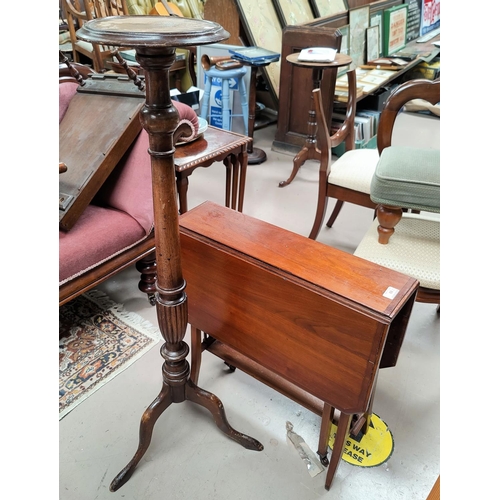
215 145
311 321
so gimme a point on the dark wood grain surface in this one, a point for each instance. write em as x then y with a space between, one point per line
312 314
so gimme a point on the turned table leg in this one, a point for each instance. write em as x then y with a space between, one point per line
147 284
308 152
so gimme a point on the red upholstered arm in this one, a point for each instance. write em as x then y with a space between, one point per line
188 117
66 92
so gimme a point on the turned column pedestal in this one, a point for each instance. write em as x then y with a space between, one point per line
309 151
155 39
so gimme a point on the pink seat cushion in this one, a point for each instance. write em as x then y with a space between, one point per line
66 92
121 214
98 235
129 187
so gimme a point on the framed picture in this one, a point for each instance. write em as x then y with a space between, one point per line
376 19
359 21
414 19
344 48
263 28
372 43
395 20
322 8
430 19
292 12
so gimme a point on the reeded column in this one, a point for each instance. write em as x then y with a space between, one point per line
160 118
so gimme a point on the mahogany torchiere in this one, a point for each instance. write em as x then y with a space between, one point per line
155 39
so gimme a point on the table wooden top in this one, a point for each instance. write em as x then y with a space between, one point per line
213 143
356 280
318 317
151 31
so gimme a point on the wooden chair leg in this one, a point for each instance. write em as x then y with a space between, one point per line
320 215
324 433
147 284
335 213
388 217
338 447
196 349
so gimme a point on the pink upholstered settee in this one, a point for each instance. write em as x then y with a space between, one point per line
116 229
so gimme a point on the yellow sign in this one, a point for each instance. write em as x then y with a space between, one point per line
370 449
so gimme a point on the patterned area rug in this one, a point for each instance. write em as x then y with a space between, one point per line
98 339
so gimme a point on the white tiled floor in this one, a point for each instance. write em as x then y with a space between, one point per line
189 458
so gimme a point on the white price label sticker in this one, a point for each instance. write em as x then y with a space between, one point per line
391 292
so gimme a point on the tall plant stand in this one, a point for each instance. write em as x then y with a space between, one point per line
155 39
309 151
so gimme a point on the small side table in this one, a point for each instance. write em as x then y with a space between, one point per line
215 145
255 155
309 151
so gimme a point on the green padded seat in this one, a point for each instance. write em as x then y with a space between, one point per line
407 177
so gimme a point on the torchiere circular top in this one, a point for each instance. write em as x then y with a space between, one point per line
151 31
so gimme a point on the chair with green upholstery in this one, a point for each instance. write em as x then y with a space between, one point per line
348 178
405 236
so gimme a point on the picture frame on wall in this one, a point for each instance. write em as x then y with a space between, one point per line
359 21
430 16
414 19
322 8
344 48
372 43
263 29
377 19
395 24
292 12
